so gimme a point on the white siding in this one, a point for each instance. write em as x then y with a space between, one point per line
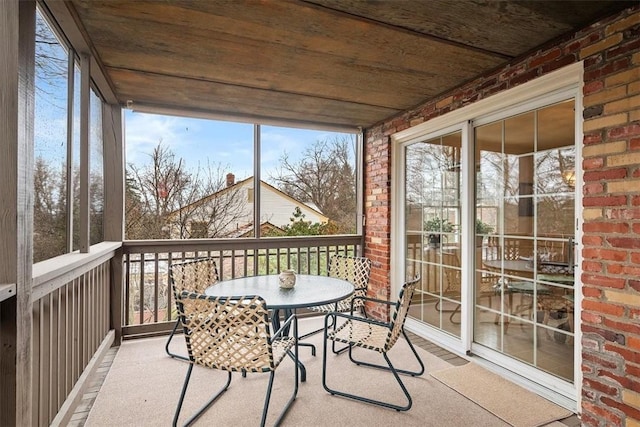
278 209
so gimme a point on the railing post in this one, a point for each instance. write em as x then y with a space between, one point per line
115 296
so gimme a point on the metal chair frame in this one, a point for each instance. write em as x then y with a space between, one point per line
204 273
216 328
379 336
356 270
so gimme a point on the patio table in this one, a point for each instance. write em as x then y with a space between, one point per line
309 290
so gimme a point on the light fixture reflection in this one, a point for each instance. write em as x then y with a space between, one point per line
569 177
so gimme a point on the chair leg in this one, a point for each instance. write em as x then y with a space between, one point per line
268 396
390 367
166 347
402 371
204 407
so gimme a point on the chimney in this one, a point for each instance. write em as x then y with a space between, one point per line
231 179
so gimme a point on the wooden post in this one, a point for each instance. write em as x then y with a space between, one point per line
114 173
17 50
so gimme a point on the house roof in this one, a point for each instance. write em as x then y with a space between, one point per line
246 181
318 63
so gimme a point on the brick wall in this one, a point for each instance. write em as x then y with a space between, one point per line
610 313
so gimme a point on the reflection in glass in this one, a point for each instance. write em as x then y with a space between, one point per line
96 173
525 185
50 149
433 218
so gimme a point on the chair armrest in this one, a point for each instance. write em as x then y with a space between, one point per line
285 326
375 300
336 314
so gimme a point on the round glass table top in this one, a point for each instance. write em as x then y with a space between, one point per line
309 290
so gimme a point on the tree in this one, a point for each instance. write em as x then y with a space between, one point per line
160 187
300 227
166 200
325 176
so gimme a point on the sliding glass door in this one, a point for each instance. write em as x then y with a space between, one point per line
525 222
510 278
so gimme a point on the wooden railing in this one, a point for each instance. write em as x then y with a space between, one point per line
148 306
71 325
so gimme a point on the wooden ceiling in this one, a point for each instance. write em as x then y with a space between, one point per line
343 63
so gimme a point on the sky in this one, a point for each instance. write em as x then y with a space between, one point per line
228 144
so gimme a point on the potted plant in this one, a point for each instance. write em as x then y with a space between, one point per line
438 226
482 228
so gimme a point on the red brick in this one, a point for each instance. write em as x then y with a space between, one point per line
606 227
593 188
593 61
590 292
624 213
601 307
631 270
614 268
603 281
628 383
635 200
632 370
589 317
624 242
628 355
602 361
546 57
606 254
592 87
603 413
592 138
634 342
635 257
604 201
587 420
624 131
524 77
592 266
603 388
604 333
593 163
626 409
634 144
513 71
592 240
623 48
559 63
608 69
633 328
605 174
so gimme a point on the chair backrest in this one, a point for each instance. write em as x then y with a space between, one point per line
193 275
228 333
400 311
355 270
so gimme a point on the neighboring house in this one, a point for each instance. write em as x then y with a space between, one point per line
229 212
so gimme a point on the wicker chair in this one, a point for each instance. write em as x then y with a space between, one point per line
192 276
233 334
375 335
355 270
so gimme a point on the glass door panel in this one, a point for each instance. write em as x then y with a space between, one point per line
433 215
525 216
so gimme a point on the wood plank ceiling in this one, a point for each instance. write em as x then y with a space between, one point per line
344 63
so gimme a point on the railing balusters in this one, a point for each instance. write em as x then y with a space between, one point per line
146 281
69 324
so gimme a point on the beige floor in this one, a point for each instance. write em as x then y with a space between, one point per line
84 408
